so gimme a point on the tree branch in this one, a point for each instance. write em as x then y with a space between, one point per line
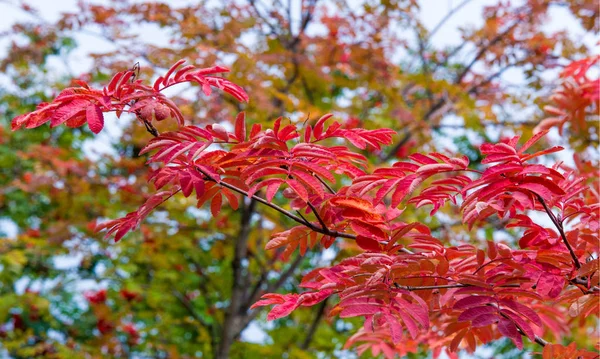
446 18
321 222
189 307
561 230
331 190
537 339
231 326
438 105
271 288
483 50
323 230
315 324
446 286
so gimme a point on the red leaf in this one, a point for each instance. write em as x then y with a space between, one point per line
318 129
359 310
171 70
310 182
525 328
272 190
484 320
199 187
95 118
367 230
231 198
240 127
544 187
492 252
409 323
66 112
281 310
395 328
509 330
265 172
269 299
475 312
307 133
256 129
480 257
532 140
312 298
457 339
215 204
522 310
113 82
550 284
284 304
368 244
187 186
352 202
472 301
219 131
298 188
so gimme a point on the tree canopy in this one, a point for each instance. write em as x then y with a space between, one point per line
313 179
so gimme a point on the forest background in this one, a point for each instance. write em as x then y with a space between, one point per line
446 75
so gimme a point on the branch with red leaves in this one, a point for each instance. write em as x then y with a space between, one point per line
76 106
402 280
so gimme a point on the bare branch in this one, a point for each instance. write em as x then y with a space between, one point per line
483 50
271 288
315 324
231 326
190 308
447 17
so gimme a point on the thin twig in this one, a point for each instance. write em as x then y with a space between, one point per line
322 230
321 222
315 324
272 288
331 190
561 230
411 288
149 127
537 339
189 307
438 105
446 18
483 50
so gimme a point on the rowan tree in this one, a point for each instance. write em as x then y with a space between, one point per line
439 278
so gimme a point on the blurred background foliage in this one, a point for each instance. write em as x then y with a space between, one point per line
165 291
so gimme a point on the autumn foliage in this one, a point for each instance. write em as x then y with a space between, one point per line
359 179
408 287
